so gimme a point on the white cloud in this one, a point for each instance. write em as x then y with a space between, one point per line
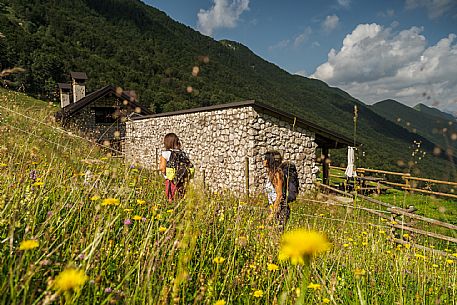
330 23
435 8
280 45
223 14
344 3
303 37
301 73
388 13
375 63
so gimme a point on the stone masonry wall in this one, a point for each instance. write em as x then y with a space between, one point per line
84 120
218 142
295 144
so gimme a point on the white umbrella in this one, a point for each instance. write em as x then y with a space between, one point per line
350 170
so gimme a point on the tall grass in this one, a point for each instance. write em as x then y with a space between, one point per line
201 250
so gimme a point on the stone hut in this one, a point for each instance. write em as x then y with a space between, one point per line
226 142
100 115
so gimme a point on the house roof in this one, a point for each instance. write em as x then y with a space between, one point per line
78 75
72 109
64 86
324 137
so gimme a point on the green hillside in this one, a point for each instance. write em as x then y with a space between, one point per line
78 226
435 112
127 43
430 123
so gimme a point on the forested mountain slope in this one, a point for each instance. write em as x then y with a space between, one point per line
130 44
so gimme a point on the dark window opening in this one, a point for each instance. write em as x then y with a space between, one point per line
104 115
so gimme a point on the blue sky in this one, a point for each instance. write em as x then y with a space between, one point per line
404 49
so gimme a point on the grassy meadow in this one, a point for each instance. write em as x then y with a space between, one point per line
78 226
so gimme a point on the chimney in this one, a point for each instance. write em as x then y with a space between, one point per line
65 90
78 80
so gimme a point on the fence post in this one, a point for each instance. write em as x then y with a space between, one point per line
204 180
246 175
325 166
157 159
408 186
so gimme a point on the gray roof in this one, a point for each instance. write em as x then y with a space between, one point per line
78 75
72 109
324 136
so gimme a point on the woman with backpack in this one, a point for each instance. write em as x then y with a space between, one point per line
275 188
175 167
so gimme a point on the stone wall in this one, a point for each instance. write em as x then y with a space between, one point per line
84 120
219 141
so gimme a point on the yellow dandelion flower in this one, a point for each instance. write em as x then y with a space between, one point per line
159 216
314 286
3 165
359 272
162 229
171 211
454 254
300 244
258 293
95 198
364 243
128 210
220 302
406 235
382 232
140 202
110 201
435 266
350 239
325 300
272 267
38 183
70 279
345 245
252 266
137 217
28 244
420 256
449 261
407 246
261 227
218 260
297 291
388 251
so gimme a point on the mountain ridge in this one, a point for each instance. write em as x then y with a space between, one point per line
129 43
429 124
435 112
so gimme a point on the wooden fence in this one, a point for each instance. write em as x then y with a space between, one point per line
401 220
410 183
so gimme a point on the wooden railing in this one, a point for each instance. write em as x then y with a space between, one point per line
409 182
398 220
